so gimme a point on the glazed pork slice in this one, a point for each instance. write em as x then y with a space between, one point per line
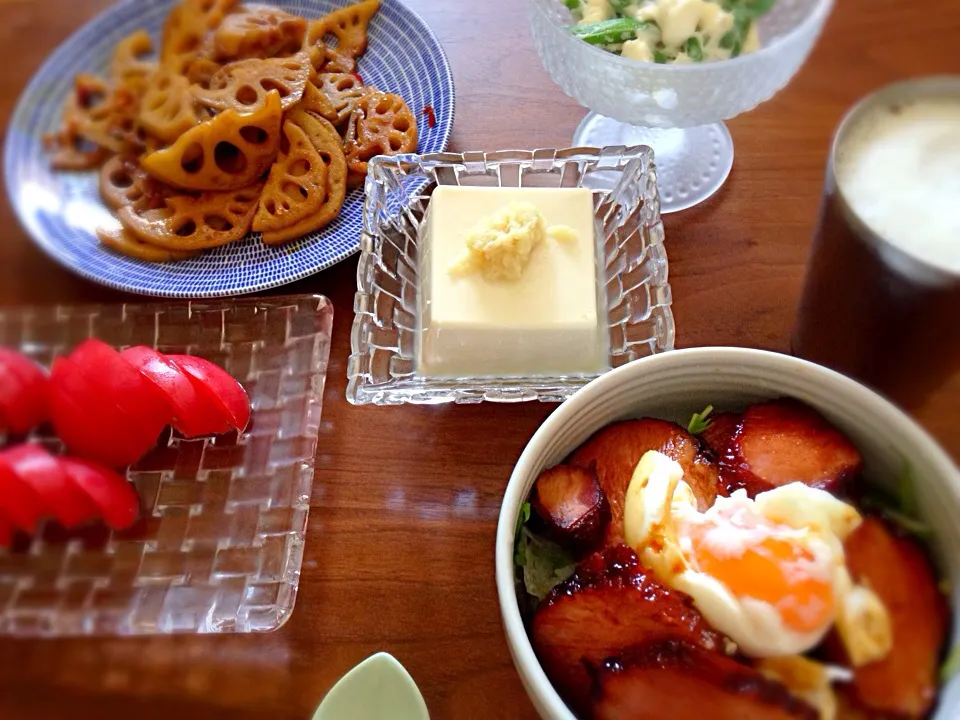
609 604
784 441
613 454
676 680
720 432
570 504
904 683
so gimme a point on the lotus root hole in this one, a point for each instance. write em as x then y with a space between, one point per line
331 40
327 158
218 223
285 205
187 229
395 143
163 83
347 82
206 6
247 95
268 84
229 158
292 65
294 190
384 106
401 123
299 168
192 159
121 179
253 134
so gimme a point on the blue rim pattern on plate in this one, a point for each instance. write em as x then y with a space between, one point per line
61 210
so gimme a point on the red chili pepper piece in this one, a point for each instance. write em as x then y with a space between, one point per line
357 76
431 115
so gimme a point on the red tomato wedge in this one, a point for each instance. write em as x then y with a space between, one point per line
115 498
89 426
219 385
41 471
18 501
24 401
117 381
194 413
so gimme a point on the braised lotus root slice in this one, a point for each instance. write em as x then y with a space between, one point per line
200 71
328 59
296 187
186 33
86 136
230 151
380 124
167 110
258 31
314 101
344 91
123 182
128 57
348 26
328 150
189 221
72 153
126 243
120 181
243 85
318 129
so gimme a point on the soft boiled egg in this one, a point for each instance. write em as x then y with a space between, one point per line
769 573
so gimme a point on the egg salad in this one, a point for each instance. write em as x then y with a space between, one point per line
670 31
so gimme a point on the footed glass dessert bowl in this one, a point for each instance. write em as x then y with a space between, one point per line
677 109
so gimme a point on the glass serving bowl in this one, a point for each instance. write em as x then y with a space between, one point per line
675 109
631 268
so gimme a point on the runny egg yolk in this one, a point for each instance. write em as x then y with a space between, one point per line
755 558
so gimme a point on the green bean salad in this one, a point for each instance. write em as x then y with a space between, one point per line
670 31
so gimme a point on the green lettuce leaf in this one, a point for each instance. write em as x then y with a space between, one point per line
901 510
545 564
951 665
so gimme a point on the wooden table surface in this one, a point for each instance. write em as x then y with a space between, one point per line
405 503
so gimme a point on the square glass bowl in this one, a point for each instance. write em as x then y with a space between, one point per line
631 267
219 542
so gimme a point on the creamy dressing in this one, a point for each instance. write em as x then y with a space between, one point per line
676 31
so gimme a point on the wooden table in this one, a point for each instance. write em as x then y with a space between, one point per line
405 504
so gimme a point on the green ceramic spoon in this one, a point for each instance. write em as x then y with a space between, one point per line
379 688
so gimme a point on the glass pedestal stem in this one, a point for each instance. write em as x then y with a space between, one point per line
692 163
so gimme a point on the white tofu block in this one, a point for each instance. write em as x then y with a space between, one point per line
545 323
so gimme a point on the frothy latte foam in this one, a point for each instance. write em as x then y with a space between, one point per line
899 169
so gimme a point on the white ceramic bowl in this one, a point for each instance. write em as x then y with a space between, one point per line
674 385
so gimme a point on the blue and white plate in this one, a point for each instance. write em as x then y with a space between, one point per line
62 210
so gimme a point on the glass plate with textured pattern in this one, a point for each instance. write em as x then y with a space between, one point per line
631 267
219 542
